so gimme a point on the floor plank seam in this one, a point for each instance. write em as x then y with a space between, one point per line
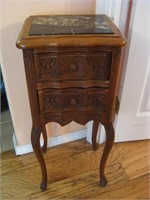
78 176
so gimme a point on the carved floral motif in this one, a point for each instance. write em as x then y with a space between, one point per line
51 102
97 101
82 100
74 66
48 68
72 101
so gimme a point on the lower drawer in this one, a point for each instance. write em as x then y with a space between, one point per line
94 99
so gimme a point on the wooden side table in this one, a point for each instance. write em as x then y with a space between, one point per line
71 65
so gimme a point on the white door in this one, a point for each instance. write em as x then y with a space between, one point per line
133 120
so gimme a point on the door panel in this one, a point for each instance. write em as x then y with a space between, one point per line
133 121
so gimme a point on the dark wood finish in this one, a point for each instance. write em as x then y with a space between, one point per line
94 134
44 133
110 135
35 139
71 78
72 66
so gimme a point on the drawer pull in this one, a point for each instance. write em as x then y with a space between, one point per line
73 68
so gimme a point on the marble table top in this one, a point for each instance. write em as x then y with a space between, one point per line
69 25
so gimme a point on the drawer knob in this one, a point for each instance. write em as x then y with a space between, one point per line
73 68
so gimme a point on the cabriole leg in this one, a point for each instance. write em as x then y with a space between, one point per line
94 134
35 139
108 146
44 133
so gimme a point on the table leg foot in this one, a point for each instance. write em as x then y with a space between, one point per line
103 181
35 139
43 186
108 146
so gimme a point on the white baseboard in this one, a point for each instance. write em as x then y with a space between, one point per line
24 149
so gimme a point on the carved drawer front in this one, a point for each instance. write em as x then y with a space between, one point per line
72 99
95 65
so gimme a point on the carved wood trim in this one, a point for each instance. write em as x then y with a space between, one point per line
64 118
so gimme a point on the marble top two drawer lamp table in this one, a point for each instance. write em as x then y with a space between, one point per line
72 67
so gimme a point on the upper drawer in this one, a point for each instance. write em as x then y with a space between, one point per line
73 65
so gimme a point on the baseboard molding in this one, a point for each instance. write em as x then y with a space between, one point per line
54 141
129 138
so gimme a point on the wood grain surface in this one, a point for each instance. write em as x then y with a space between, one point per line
73 173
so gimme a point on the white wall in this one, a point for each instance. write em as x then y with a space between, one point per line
115 9
13 13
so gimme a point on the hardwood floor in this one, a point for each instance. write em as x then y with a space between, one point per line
73 173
